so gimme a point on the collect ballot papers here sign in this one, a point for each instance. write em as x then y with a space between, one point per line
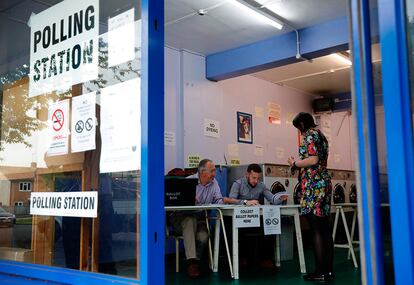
246 217
65 204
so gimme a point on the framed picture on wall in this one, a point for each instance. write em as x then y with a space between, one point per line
244 128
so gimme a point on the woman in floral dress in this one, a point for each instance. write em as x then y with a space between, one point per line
316 191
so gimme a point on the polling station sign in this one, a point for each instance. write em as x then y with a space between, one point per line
65 204
63 46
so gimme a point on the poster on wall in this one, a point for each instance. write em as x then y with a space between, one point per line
121 127
63 46
244 128
58 128
274 111
211 128
83 122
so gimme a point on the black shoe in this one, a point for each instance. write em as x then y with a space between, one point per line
329 276
316 277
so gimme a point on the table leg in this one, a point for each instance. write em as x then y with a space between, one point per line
352 230
235 251
351 247
216 244
299 243
335 223
277 251
226 242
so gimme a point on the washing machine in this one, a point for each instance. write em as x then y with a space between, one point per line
340 187
276 178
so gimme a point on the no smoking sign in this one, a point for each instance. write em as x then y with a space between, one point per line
58 118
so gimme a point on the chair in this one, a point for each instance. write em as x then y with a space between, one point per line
177 237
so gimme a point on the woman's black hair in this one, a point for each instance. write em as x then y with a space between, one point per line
304 118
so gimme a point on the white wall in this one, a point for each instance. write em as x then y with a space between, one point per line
191 98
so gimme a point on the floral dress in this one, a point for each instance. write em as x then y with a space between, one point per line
316 182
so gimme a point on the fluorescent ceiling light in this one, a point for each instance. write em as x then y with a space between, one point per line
341 58
257 14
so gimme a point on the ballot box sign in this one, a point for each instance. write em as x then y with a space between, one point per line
271 220
246 217
65 204
63 46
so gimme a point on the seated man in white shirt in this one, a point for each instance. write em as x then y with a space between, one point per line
249 190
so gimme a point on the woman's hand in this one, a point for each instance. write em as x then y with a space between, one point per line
291 160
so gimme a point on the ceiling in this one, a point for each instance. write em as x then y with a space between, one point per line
227 26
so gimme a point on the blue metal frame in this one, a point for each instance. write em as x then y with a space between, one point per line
400 157
364 108
152 226
152 232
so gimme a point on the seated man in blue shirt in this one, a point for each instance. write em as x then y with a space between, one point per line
193 225
249 190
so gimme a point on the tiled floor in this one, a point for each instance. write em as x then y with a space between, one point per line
287 274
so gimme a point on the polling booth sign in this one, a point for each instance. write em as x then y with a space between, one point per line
63 46
65 204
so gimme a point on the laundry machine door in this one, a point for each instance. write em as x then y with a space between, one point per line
353 194
338 194
297 194
276 188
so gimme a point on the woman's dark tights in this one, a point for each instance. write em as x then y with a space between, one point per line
322 243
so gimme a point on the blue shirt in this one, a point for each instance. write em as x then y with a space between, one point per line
209 193
242 190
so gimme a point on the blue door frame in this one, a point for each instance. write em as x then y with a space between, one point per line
398 120
152 170
399 139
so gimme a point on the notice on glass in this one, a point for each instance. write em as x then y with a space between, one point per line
63 46
121 38
193 160
271 220
64 204
83 122
121 127
246 217
58 128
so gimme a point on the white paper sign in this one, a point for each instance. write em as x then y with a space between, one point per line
246 217
65 204
280 152
211 128
258 150
121 38
271 220
259 112
83 122
169 138
58 128
63 46
121 127
233 149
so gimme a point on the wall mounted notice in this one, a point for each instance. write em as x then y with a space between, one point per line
83 122
121 127
258 150
64 46
193 160
65 204
234 161
280 152
271 220
233 149
259 111
121 38
211 128
169 138
58 128
274 111
246 217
